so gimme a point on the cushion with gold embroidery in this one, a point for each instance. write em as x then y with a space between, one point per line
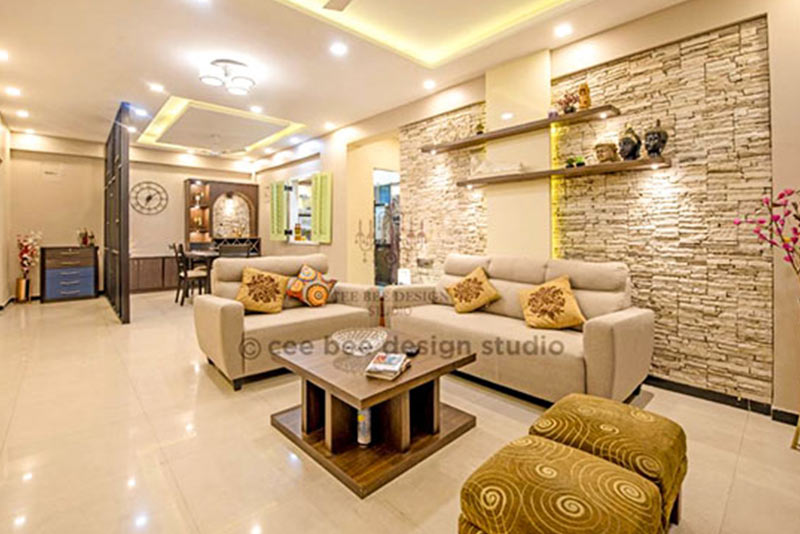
472 292
262 291
551 305
310 287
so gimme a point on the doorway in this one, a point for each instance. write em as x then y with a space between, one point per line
386 184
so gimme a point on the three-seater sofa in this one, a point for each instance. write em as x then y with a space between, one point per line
608 357
240 344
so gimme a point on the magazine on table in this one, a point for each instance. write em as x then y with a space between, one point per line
387 366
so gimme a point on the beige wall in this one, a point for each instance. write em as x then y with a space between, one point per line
361 161
695 17
521 87
6 258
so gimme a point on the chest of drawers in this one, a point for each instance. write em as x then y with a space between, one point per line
68 273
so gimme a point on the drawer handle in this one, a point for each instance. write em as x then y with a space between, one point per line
69 273
70 263
70 282
74 292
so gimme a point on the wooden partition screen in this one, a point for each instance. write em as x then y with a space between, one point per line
115 248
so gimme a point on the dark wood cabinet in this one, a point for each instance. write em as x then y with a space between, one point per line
68 273
153 273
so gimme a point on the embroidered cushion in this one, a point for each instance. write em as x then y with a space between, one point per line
310 287
551 305
472 292
262 291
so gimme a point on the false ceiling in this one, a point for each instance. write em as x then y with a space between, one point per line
75 61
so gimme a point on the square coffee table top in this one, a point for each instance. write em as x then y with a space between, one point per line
325 365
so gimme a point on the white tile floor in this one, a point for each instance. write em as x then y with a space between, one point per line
108 428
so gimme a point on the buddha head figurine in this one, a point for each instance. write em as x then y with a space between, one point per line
606 152
655 140
630 145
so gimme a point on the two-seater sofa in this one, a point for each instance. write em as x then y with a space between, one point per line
608 357
239 344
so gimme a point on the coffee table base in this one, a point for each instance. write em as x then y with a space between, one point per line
365 469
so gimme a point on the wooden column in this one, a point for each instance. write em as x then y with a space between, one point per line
340 424
398 422
313 411
425 407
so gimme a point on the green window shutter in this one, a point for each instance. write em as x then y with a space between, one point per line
277 212
321 187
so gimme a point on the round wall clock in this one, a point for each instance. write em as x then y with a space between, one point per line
149 198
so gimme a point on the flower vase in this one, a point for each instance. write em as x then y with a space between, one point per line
23 290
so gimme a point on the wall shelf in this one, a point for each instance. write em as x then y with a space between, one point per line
644 164
600 112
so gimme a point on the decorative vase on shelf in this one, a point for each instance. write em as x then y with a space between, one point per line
584 96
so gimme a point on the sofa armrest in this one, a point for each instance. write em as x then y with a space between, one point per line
618 348
399 297
219 325
360 296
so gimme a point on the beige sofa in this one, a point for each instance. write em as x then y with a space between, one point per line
610 356
240 344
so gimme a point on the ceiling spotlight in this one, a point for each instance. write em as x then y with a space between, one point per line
507 116
330 126
139 112
430 85
604 115
19 520
13 91
3 55
339 49
563 30
30 131
256 109
295 140
23 114
156 87
131 129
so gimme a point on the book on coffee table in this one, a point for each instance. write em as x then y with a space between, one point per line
387 366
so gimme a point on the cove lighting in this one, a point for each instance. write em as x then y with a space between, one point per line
430 85
339 49
156 87
23 114
13 91
563 30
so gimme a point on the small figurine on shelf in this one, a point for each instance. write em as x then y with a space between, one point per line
571 162
480 129
579 161
567 103
630 145
606 152
552 114
85 237
584 96
655 140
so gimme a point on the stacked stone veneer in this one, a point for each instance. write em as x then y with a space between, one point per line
709 283
451 218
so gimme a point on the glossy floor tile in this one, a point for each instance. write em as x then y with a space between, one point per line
108 428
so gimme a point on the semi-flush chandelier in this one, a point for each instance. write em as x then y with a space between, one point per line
233 75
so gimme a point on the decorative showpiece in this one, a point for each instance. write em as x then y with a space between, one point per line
777 222
630 145
606 152
149 198
360 341
480 129
85 237
552 114
28 246
575 161
584 96
655 140
567 102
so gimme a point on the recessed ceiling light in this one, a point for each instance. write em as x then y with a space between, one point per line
604 115
563 30
131 482
268 151
507 116
294 140
30 131
131 129
330 126
430 85
141 521
339 49
27 476
256 109
19 520
3 55
13 91
139 112
23 114
156 87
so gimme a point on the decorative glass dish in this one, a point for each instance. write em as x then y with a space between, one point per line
360 341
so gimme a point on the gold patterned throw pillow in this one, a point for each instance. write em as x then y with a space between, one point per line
551 305
262 291
472 292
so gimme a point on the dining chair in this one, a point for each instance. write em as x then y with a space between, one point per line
188 278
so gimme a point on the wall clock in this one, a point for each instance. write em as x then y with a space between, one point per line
149 198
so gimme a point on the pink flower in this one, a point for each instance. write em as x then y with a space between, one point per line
788 247
761 221
776 218
767 201
789 192
788 259
795 239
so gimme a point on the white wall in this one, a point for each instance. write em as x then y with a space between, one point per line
6 258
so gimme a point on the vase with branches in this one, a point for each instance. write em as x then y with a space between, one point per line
28 246
776 221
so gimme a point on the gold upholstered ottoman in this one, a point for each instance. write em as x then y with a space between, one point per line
535 485
642 442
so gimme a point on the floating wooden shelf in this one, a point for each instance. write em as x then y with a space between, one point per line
600 112
643 164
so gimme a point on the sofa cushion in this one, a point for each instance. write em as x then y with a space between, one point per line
472 292
551 305
522 269
600 288
304 324
534 485
262 291
463 264
310 287
230 269
508 303
545 363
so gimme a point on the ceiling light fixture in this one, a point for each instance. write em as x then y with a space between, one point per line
3 55
563 30
330 126
23 114
139 112
339 49
507 116
234 75
156 87
30 131
13 91
256 109
295 140
430 85
131 129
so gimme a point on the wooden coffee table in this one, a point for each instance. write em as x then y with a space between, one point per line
409 423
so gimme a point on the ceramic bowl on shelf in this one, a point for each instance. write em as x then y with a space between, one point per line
360 341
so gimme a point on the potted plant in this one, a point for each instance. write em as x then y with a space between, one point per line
777 222
28 255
